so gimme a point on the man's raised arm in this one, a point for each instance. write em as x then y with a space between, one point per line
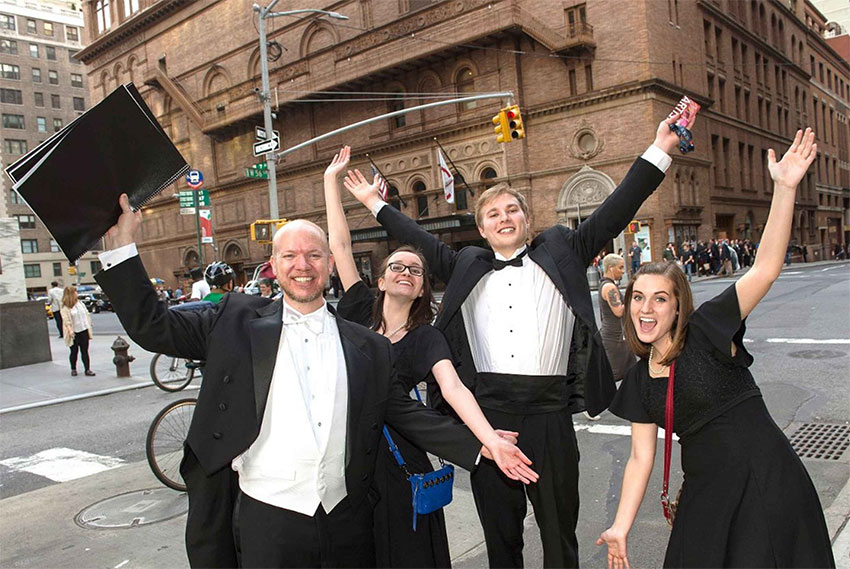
440 256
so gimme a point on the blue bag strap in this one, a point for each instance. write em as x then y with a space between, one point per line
416 391
394 449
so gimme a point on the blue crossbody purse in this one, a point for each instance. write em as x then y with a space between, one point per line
431 490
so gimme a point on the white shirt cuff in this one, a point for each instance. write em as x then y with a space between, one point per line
478 458
376 208
657 158
109 259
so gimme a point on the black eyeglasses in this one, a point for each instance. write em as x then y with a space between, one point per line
414 270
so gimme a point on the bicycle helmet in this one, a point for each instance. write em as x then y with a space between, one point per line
218 274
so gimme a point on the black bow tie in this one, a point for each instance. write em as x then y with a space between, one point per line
498 265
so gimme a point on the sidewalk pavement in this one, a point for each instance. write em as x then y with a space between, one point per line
48 383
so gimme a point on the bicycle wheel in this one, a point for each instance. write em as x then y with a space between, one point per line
164 443
170 373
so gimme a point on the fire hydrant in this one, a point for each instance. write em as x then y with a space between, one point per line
122 359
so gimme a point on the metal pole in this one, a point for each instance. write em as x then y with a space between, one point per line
198 225
391 115
265 95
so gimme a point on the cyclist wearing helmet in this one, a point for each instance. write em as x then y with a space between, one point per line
220 278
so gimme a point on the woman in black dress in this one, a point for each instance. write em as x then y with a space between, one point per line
747 500
402 311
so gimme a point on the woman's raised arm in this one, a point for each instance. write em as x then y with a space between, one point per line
339 237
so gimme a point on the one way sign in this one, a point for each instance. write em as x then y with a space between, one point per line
266 146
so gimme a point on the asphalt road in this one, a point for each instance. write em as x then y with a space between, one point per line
801 382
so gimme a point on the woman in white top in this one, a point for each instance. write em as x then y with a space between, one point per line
77 328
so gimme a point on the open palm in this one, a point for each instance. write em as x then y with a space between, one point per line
790 170
339 163
356 183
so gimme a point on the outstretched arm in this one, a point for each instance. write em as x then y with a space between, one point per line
507 456
620 207
611 294
786 174
339 237
635 479
439 256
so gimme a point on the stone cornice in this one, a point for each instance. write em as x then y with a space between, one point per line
138 23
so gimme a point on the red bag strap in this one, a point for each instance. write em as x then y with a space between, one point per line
668 432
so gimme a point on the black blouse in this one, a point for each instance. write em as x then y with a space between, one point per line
415 354
709 379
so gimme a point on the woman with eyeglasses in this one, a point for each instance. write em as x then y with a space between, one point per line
402 311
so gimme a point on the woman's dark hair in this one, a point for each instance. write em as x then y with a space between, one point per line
684 304
422 310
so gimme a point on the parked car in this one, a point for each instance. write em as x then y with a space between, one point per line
94 298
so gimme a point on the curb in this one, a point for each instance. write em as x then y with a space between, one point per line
75 397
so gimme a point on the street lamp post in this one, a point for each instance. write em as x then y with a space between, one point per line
265 95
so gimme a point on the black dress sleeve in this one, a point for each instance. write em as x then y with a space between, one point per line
356 304
431 347
628 403
717 324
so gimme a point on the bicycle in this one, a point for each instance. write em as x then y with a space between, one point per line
164 442
171 373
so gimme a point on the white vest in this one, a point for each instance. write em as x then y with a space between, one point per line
285 466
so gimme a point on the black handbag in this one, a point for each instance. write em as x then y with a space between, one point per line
430 490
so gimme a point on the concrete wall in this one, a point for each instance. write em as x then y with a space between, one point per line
25 339
12 283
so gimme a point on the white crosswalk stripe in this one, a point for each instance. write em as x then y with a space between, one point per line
62 464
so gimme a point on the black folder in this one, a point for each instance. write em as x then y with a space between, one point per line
73 179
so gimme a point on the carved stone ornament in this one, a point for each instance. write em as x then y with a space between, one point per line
585 143
587 189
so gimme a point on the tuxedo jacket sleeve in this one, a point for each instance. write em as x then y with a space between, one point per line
440 257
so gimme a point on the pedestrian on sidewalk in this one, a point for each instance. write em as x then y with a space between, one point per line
611 314
54 296
746 500
77 328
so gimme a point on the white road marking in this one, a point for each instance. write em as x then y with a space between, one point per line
807 341
791 273
122 564
623 430
62 464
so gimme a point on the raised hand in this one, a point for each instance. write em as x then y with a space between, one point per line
788 172
666 139
360 188
339 163
125 230
510 460
616 542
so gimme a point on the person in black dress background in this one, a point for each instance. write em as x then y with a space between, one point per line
747 500
402 311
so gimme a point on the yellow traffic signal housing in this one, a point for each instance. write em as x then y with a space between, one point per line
514 119
502 132
634 227
263 230
72 270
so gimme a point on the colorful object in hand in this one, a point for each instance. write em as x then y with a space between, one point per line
689 110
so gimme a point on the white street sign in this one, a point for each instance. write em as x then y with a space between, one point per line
266 146
260 133
187 211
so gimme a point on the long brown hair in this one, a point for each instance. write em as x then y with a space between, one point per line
69 296
684 304
422 309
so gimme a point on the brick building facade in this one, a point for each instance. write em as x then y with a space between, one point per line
593 83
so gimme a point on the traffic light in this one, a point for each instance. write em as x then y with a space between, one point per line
515 126
502 132
634 227
72 270
263 230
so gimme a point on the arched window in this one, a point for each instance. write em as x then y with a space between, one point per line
233 254
421 200
130 7
460 193
392 197
466 86
101 11
487 176
191 259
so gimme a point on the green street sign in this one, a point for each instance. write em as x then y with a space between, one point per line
261 166
187 199
256 174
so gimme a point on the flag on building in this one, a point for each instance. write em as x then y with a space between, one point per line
448 179
382 184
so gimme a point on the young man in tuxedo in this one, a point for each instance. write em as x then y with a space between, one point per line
511 315
293 401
